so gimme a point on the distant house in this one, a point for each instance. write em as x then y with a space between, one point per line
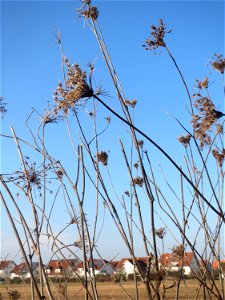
127 266
173 263
100 267
215 264
22 271
6 266
61 268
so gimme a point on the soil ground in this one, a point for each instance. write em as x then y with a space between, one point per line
110 290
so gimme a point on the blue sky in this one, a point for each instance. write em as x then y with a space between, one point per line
31 69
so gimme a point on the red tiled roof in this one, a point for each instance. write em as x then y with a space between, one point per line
22 268
63 265
98 264
215 263
142 260
4 264
167 258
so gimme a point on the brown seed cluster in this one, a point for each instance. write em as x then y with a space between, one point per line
156 38
160 232
140 143
218 63
206 117
102 157
185 140
138 181
178 252
131 103
203 84
75 88
219 156
92 13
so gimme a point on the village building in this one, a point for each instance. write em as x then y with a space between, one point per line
127 266
61 268
100 267
22 271
172 263
6 266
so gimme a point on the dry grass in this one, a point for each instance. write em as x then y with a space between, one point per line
111 290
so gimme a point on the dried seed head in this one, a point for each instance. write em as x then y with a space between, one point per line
156 38
178 251
219 156
185 140
218 63
131 103
160 232
140 143
127 193
203 84
76 88
136 165
138 181
206 117
102 157
92 13
219 128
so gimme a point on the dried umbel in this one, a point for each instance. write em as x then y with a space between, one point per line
206 117
156 38
140 143
131 103
102 157
75 88
203 84
178 252
14 295
138 181
219 156
185 140
92 13
160 232
31 177
218 63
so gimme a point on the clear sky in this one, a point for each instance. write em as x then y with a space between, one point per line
31 69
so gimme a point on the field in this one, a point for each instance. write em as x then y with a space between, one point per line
110 291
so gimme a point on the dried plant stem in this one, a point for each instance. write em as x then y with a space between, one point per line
219 213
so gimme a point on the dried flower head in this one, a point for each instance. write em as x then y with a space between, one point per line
219 156
13 294
156 38
32 177
136 165
138 181
131 103
160 232
203 84
127 193
102 157
218 63
219 128
59 173
185 140
91 12
140 143
206 117
75 88
108 119
178 252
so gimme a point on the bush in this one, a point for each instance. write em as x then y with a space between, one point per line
16 280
